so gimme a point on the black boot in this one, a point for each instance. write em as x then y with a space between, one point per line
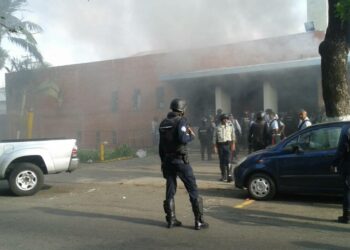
169 209
345 218
230 173
197 207
222 169
228 176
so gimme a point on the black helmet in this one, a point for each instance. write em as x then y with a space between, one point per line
259 116
178 105
224 116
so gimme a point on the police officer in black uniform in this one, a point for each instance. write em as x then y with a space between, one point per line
205 132
343 162
258 134
175 133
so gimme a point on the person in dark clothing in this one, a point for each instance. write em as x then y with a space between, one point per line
205 138
342 163
175 133
258 134
217 116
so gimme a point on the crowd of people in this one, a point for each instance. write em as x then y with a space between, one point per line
252 132
225 135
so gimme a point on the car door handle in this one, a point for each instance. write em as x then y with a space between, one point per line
334 169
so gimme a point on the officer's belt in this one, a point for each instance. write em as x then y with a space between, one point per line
174 155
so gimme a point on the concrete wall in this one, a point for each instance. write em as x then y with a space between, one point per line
270 97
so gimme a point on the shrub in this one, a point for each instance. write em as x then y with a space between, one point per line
86 155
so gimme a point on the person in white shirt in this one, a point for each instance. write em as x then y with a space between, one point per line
304 121
224 143
276 127
238 133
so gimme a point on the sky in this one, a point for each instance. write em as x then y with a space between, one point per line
79 31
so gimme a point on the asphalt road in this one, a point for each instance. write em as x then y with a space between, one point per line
118 205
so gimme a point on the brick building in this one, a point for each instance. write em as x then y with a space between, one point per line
116 100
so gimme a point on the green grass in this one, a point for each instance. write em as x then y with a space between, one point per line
87 155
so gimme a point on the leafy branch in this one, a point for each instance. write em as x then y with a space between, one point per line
342 10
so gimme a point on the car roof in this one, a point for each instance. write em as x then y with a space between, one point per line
331 123
322 124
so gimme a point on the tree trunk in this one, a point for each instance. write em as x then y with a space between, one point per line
334 61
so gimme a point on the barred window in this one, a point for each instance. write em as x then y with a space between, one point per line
114 101
79 137
136 99
114 138
98 139
160 97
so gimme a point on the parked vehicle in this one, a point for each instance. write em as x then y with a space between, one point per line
25 162
301 163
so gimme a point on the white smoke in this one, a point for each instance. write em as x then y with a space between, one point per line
83 31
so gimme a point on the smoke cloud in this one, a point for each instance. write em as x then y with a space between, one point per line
98 30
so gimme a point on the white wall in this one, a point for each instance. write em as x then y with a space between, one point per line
2 101
222 100
270 97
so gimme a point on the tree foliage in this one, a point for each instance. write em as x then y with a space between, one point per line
15 64
342 9
18 31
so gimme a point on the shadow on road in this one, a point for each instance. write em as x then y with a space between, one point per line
313 245
329 201
225 193
64 212
6 192
5 189
290 199
264 218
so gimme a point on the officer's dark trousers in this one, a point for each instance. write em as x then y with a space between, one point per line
346 198
224 156
206 147
185 173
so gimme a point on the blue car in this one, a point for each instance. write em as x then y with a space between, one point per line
301 163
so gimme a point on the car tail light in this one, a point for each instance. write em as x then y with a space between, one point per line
75 152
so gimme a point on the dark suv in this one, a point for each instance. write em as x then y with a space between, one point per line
301 163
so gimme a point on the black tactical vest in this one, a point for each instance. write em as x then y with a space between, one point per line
169 137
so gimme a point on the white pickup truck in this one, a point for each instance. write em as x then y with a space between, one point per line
25 162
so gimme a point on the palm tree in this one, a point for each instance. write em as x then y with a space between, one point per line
18 32
25 63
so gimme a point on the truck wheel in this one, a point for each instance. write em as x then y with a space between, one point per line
261 187
26 179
